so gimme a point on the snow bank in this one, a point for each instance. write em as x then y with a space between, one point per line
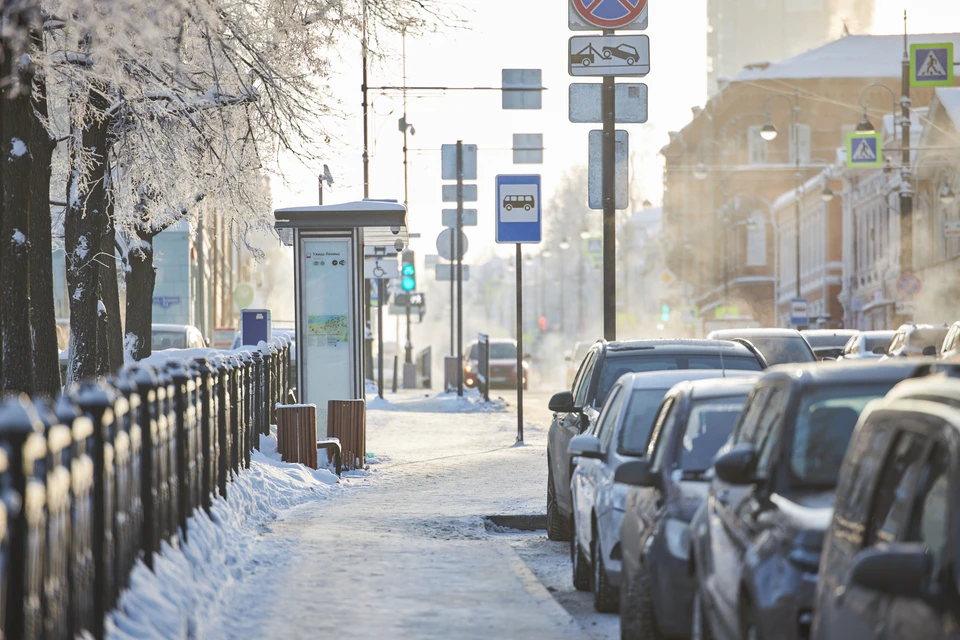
186 589
446 402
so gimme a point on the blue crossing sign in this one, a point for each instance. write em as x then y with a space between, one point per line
931 65
864 150
519 209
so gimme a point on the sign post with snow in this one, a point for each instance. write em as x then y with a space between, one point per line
519 221
864 150
328 273
931 65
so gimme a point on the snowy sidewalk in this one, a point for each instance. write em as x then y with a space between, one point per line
405 553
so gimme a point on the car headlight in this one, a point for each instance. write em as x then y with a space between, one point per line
677 533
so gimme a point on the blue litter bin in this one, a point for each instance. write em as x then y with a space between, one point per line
255 326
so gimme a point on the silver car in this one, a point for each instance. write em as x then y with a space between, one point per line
621 434
866 345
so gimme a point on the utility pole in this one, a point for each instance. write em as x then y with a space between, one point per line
906 191
795 128
367 285
459 264
408 346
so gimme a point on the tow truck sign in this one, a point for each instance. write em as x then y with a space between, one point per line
609 55
590 15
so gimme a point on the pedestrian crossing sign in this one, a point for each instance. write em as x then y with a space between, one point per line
864 150
931 65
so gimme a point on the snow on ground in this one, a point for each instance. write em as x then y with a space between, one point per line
404 553
224 548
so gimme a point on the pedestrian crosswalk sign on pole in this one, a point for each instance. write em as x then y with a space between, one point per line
864 150
931 65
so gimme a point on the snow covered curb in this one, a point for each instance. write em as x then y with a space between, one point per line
184 591
444 402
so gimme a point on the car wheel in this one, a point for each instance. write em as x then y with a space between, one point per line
638 621
699 625
526 207
630 61
508 207
586 62
581 568
606 54
606 598
558 527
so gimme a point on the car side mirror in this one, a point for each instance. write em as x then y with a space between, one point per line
562 403
930 351
736 464
903 570
585 446
879 351
637 473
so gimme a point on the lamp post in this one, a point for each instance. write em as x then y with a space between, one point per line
865 126
769 133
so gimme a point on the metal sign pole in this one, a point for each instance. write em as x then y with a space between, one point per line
459 257
519 344
608 106
380 298
453 310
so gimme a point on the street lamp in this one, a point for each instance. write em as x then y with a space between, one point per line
946 195
827 194
564 244
584 234
768 133
865 126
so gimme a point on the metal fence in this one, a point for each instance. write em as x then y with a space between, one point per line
98 478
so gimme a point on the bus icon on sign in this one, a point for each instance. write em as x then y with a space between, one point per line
520 202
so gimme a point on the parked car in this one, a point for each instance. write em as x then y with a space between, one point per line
757 538
176 336
604 364
665 490
574 358
622 434
866 345
950 349
915 340
503 364
890 556
828 343
778 346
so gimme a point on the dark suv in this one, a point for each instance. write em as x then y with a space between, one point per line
575 410
757 539
665 490
890 560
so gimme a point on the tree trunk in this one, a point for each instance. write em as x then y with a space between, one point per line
16 159
43 313
112 338
83 228
141 278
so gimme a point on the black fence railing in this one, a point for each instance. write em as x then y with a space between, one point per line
99 478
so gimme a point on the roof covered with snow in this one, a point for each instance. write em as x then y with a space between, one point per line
949 99
849 57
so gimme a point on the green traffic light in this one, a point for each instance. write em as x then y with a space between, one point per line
408 270
408 283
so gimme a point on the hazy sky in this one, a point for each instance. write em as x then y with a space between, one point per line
514 34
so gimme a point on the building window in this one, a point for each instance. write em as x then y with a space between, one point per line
803 130
756 146
757 240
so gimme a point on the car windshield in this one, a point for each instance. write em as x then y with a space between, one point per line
826 340
641 413
161 340
616 366
824 423
709 427
498 351
922 338
783 350
877 341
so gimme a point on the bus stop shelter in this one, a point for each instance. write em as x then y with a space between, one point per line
328 250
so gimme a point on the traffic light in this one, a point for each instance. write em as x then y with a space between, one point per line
408 272
665 313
